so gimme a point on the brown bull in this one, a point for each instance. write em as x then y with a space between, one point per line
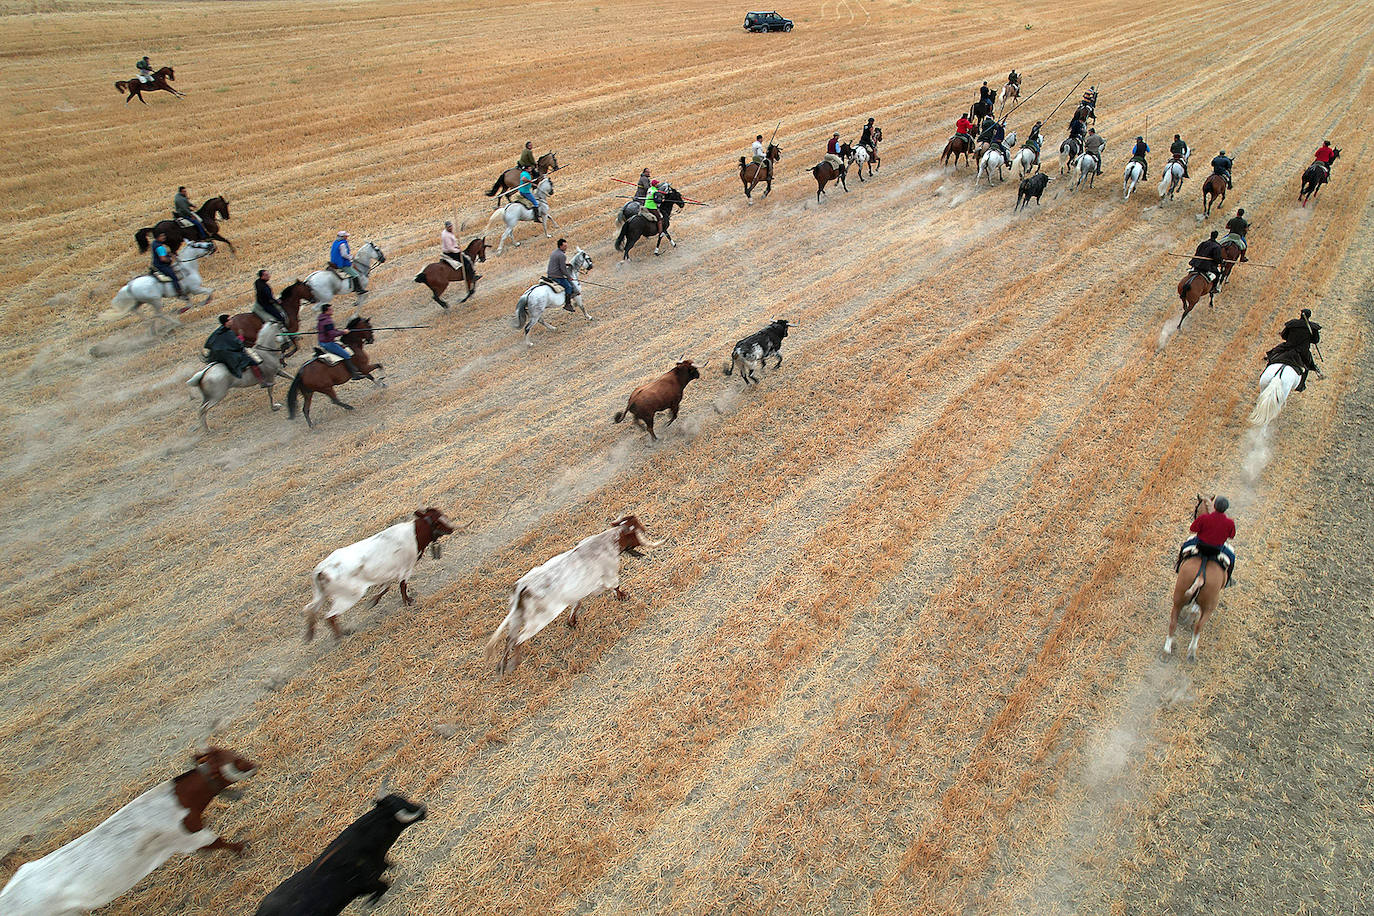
663 393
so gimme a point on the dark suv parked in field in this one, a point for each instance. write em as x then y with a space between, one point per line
766 22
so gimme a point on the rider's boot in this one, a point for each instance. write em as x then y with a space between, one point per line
353 370
257 374
1302 383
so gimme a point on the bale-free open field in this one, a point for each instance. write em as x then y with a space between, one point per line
900 652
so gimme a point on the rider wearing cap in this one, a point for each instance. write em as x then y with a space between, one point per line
329 337
341 259
1207 259
1138 154
1300 335
1093 146
1213 529
1179 150
1221 165
1238 225
1325 154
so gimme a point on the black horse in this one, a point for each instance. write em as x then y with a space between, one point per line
215 206
1314 177
980 110
639 225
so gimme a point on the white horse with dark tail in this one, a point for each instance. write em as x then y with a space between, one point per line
539 298
150 290
1134 172
214 381
993 159
326 284
1276 384
1171 182
518 211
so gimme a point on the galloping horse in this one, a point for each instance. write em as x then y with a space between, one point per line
319 376
1010 93
1026 157
824 172
1230 253
1277 382
509 180
136 87
1171 182
529 311
1069 151
1085 113
215 380
867 155
640 225
1213 192
517 211
1190 291
325 284
149 290
1314 177
441 273
249 324
1087 168
751 173
980 110
1194 589
993 159
1134 172
176 234
958 145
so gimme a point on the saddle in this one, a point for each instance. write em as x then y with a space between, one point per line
1232 239
185 223
1226 557
332 359
965 137
453 260
551 284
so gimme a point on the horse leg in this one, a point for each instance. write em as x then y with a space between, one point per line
329 393
271 402
305 404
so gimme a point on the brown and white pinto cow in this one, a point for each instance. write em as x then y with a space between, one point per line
386 557
99 866
564 581
663 393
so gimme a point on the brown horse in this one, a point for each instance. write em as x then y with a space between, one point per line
1230 253
824 172
441 273
1313 177
958 145
136 87
1213 193
1085 113
509 180
1194 588
214 207
751 173
1190 291
247 324
319 376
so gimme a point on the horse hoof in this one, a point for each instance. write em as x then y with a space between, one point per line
276 406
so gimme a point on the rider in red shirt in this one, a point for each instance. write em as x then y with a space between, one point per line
964 126
1214 528
1325 153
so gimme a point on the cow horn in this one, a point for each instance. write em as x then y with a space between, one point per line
234 774
408 817
648 543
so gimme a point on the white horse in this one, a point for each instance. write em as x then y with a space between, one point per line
1027 160
1276 384
149 290
1172 179
529 311
860 159
517 211
326 284
1087 168
1069 151
993 159
215 380
1134 171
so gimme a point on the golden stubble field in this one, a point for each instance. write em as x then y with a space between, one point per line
900 652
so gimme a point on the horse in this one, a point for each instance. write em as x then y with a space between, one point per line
1213 192
149 290
1010 93
1069 151
517 211
992 159
1193 589
1190 290
1087 168
867 155
162 79
1230 254
176 233
751 173
319 376
1314 177
441 273
325 284
959 144
639 225
1026 158
1276 383
529 311
1172 179
1085 113
248 325
214 381
980 110
509 180
1134 172
824 172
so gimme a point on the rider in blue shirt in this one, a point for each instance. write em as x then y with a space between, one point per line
526 190
1138 153
341 259
162 263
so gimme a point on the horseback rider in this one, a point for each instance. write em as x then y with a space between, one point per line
642 188
964 128
866 139
182 209
341 259
1090 99
995 136
986 95
1078 128
1238 225
145 70
1221 165
267 306
1033 140
650 206
760 154
1299 335
448 245
224 346
833 147
164 266
1138 154
526 189
527 160
1207 259
1014 78
1179 151
1093 146
558 272
1325 154
1212 529
329 337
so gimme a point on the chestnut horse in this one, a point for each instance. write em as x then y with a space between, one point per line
1194 589
958 145
509 180
751 173
824 172
1190 291
136 87
441 273
1314 177
1213 193
1230 253
248 324
319 376
215 206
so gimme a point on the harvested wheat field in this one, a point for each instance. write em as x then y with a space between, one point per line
900 652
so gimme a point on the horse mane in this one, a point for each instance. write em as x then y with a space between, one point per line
355 322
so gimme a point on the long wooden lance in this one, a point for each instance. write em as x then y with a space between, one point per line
1066 98
1010 111
1227 260
403 327
687 199
775 134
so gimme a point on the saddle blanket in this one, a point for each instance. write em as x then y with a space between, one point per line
185 223
1226 557
834 161
1231 238
452 260
961 137
332 359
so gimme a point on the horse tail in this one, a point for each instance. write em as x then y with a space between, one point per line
292 393
420 277
141 238
194 381
1199 581
1267 407
620 239
119 86
621 415
741 162
522 311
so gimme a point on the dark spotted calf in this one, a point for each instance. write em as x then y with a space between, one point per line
753 352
